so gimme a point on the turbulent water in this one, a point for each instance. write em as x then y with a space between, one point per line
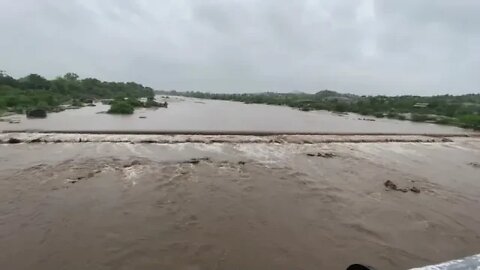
191 201
184 114
237 205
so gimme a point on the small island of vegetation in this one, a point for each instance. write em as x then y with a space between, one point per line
128 105
462 111
34 95
121 107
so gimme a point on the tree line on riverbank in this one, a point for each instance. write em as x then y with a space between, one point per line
34 92
462 110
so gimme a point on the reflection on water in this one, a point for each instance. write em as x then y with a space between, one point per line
187 114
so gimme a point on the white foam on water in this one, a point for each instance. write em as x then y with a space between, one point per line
468 263
263 153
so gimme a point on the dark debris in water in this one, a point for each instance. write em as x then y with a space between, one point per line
474 164
415 190
389 185
148 141
83 177
392 186
133 163
196 160
14 141
323 155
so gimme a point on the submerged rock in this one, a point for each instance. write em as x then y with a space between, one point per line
37 113
415 190
36 140
392 186
326 155
14 141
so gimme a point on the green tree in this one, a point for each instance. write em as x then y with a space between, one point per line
5 79
70 76
34 81
121 107
3 104
60 85
42 105
12 101
470 121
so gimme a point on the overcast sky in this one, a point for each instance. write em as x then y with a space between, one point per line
358 46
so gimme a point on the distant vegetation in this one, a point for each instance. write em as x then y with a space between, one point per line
128 105
34 92
463 111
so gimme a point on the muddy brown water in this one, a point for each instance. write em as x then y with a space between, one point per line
186 114
238 206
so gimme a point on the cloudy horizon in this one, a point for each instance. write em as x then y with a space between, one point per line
357 46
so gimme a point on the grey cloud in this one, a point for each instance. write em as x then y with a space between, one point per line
359 46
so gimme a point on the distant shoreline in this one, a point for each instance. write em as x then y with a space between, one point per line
460 111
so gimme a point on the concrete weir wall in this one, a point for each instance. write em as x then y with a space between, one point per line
215 137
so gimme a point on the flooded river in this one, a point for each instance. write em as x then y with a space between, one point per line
193 202
237 205
185 114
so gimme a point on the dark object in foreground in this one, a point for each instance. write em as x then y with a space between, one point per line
37 113
360 267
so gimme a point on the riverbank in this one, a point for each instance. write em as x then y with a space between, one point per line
212 205
35 93
460 111
191 115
